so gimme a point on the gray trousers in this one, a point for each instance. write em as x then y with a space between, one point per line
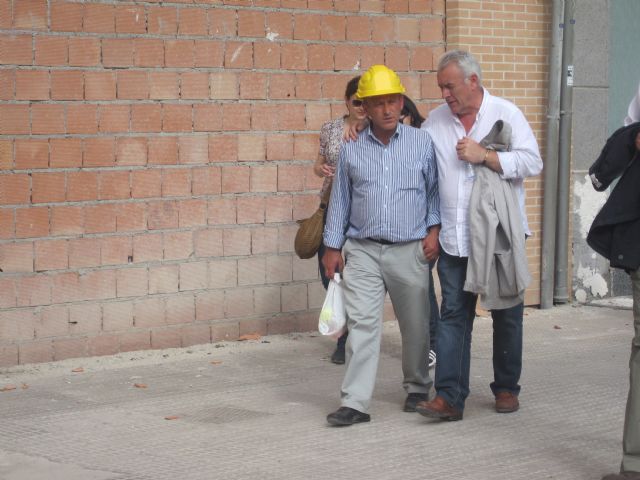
631 438
370 271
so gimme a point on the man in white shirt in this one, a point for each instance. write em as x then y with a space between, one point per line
456 128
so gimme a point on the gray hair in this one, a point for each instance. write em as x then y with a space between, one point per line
467 63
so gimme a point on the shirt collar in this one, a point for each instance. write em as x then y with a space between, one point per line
395 135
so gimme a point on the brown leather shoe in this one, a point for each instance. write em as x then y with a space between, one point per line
438 408
506 402
622 476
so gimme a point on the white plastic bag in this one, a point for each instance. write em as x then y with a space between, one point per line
333 320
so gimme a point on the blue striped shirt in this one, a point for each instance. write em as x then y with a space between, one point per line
387 192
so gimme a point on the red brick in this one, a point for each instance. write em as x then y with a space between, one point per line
178 245
7 84
193 150
347 58
164 85
51 255
209 53
251 210
116 250
131 341
69 348
146 118
98 285
208 243
238 55
266 55
267 300
53 322
333 28
177 118
251 148
292 118
132 282
51 50
223 23
236 242
117 316
146 183
253 85
99 18
181 309
239 303
34 290
316 116
192 213
280 23
47 119
132 85
397 58
48 187
131 151
236 116
67 220
358 28
148 52
196 335
162 20
16 50
6 154
16 257
99 86
192 21
67 85
194 85
282 86
382 29
206 181
84 253
176 182
223 274
431 29
293 56
147 248
207 117
14 120
305 146
66 288
8 355
290 178
251 23
31 153
264 240
66 16
307 26
32 222
225 332
224 85
35 352
163 150
84 52
235 179
114 185
97 152
65 152
7 224
193 276
117 52
264 179
130 19
222 211
103 345
100 218
166 338
223 148
396 6
209 306
309 86
149 312
163 279
162 215
113 118
179 53
81 119
131 217
30 15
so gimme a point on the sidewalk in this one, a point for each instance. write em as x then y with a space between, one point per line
256 410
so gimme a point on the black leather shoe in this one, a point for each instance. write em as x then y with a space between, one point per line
346 416
338 355
413 399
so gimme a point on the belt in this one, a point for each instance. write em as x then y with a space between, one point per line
381 241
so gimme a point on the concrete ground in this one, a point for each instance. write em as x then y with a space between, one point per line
256 410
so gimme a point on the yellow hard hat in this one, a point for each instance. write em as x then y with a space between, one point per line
379 80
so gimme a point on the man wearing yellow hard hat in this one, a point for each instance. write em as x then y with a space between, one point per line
381 232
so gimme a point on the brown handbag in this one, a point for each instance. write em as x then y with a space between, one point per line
309 235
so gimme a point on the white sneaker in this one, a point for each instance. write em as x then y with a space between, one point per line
432 358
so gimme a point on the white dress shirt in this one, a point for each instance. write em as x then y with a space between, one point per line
455 177
633 113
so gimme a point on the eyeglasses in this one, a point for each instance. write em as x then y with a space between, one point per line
356 103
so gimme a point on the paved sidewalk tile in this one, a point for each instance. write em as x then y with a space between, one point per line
256 410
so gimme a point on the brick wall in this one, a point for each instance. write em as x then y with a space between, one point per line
511 39
154 157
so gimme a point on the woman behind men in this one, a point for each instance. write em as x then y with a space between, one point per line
332 134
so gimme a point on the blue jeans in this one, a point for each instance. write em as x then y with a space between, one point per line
453 342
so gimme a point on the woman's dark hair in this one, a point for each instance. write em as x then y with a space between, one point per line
352 87
410 110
